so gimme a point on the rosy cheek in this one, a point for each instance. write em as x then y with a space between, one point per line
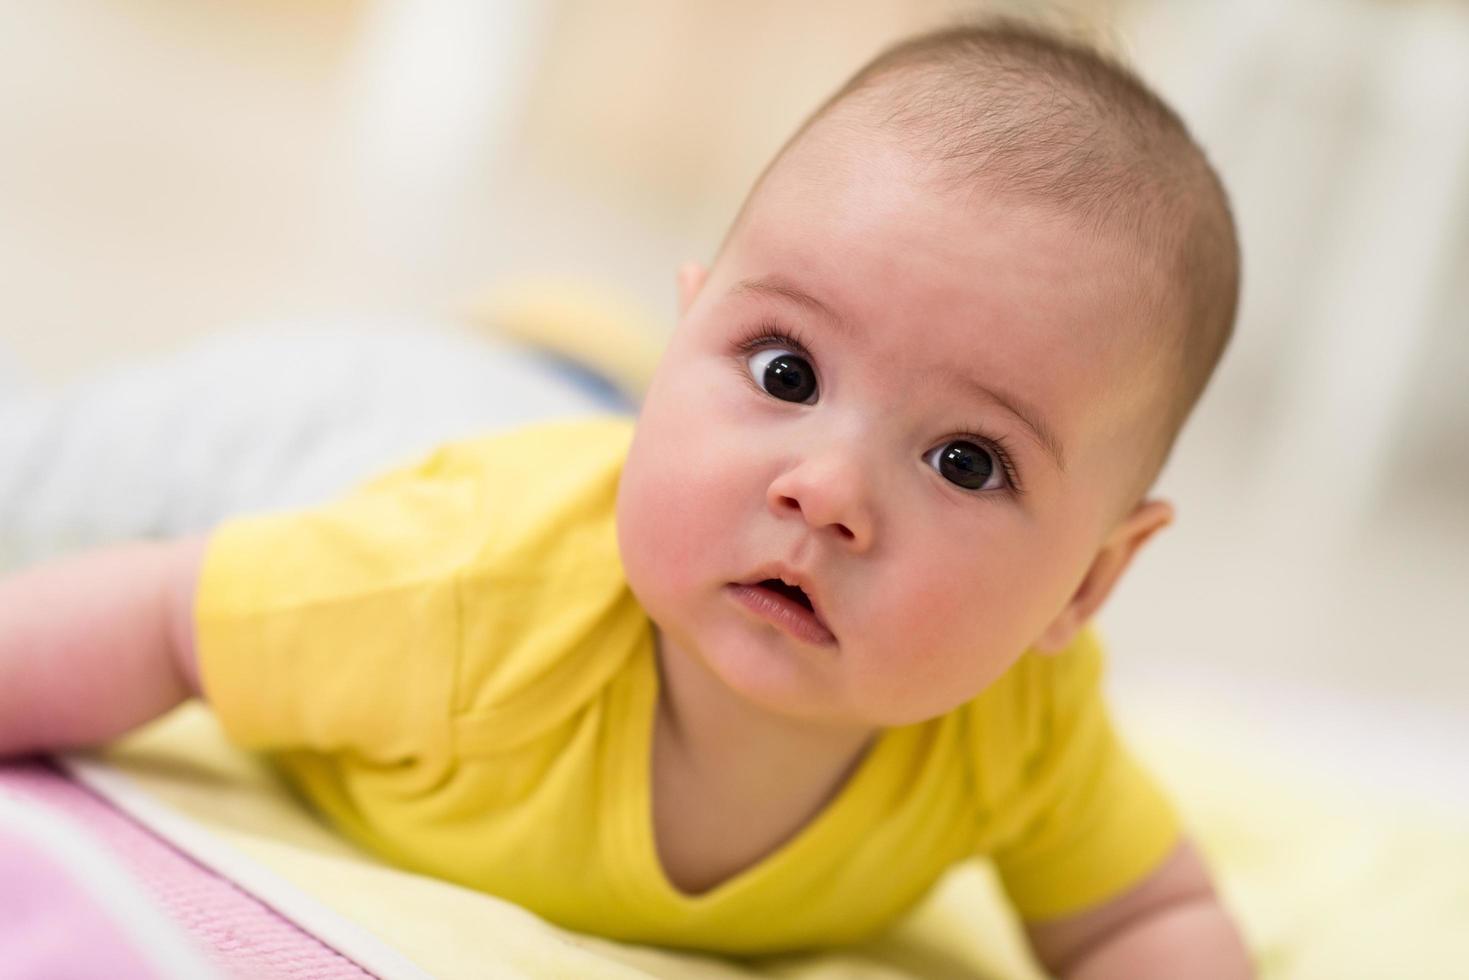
963 604
915 618
683 499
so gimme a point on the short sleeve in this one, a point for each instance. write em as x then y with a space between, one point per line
336 629
1097 823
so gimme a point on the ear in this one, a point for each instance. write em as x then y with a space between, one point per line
1148 518
691 276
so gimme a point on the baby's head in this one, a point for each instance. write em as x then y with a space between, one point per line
939 360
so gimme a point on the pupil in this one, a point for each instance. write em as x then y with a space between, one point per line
788 377
966 464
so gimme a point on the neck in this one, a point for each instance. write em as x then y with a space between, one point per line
718 732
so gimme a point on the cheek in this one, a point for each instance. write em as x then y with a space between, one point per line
960 610
957 615
680 497
991 580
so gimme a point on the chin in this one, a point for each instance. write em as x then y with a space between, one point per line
783 677
772 677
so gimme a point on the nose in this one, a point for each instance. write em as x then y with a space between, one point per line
829 493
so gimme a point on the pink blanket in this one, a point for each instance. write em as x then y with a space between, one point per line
56 919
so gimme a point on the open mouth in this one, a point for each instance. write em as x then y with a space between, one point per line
785 606
792 592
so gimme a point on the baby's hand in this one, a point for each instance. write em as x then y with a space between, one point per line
95 645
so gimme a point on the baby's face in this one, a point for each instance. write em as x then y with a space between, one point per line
911 403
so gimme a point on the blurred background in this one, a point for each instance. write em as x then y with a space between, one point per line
171 170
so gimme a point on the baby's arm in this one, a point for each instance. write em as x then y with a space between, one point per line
1169 925
95 645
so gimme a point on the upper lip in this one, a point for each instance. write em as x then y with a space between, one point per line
792 576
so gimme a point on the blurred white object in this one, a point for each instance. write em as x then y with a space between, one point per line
1384 260
1342 130
1321 492
283 415
432 90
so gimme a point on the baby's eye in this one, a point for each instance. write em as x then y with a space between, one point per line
787 376
971 467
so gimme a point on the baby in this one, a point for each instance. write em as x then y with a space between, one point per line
751 675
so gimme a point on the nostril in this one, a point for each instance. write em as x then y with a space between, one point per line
794 506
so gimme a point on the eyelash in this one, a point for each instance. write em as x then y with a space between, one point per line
768 334
1001 450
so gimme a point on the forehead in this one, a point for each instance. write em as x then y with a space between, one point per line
1012 295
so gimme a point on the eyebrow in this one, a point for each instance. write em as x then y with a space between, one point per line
781 288
1044 436
1042 433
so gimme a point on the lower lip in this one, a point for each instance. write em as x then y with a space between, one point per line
787 614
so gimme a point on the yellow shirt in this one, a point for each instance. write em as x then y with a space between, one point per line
449 664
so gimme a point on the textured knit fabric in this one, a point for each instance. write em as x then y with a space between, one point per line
241 937
450 665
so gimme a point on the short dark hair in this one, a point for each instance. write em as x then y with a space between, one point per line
1029 113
